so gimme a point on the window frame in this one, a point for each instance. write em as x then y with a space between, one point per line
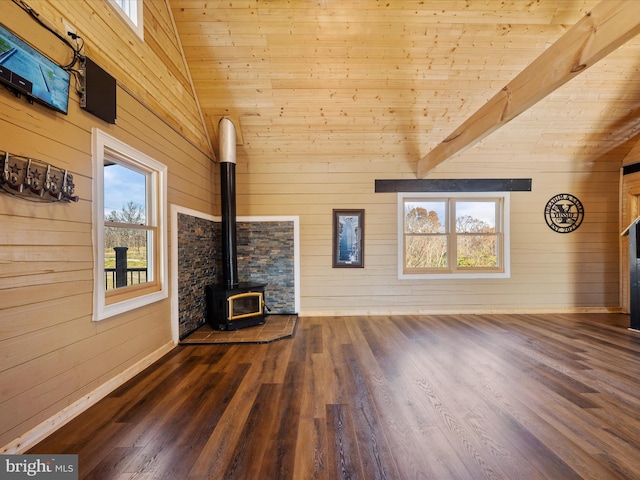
135 24
117 301
504 247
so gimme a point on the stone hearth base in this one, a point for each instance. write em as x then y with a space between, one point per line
275 327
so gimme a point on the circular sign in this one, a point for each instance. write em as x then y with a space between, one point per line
563 213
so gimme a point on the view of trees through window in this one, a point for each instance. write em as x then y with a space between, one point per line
132 240
126 233
431 241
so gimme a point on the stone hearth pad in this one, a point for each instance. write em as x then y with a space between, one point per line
275 327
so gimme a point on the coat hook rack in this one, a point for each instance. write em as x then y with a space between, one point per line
35 180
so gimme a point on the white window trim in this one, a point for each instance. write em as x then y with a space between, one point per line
101 142
506 273
138 27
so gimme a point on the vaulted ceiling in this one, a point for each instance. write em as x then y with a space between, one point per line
396 78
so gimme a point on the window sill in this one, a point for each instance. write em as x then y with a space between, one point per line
105 311
447 276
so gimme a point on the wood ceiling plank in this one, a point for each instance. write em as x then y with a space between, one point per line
609 25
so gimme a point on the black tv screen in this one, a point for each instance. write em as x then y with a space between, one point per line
29 72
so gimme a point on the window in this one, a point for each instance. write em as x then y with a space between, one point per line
131 12
461 236
129 227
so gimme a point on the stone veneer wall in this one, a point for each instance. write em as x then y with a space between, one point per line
198 242
265 255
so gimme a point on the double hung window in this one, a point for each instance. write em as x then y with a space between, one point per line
130 228
461 235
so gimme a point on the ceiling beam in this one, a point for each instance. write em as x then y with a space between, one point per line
609 25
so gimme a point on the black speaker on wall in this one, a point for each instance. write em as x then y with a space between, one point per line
98 91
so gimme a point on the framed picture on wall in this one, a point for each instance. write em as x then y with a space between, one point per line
348 238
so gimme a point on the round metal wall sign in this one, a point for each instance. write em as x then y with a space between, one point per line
563 213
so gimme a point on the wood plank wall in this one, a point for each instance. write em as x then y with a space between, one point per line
549 271
153 70
331 96
53 354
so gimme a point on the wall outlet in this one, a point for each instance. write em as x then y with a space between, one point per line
69 30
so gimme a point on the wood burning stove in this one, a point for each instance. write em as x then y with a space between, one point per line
231 304
231 308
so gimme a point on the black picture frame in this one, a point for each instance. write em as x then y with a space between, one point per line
348 238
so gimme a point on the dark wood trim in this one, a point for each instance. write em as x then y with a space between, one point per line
455 185
629 169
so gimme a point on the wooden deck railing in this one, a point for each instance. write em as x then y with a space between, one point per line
133 276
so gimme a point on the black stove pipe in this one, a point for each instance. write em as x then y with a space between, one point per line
227 145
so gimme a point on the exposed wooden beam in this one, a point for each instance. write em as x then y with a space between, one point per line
609 25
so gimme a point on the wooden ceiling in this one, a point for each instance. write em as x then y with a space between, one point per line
396 78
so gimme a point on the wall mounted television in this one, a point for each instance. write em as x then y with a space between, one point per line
28 72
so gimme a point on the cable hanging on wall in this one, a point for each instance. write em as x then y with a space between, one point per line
77 49
35 180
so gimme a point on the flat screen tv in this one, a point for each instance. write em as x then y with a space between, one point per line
28 72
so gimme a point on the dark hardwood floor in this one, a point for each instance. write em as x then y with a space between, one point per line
405 397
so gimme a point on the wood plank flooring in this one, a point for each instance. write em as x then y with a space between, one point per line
402 397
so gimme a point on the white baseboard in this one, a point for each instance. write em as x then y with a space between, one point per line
46 428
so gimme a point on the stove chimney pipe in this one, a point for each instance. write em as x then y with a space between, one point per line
227 144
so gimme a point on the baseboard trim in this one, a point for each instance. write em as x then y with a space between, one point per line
46 428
